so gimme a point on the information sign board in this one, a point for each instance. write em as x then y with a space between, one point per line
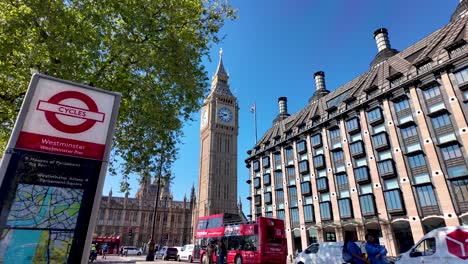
52 173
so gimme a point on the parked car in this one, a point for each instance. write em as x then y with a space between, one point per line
441 245
167 253
131 250
186 253
321 253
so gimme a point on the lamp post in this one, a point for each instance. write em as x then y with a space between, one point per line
163 222
150 255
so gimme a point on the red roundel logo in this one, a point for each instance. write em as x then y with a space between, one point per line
80 119
457 243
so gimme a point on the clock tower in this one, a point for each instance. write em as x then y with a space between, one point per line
217 180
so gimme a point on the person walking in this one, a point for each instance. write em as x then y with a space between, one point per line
375 251
104 251
222 252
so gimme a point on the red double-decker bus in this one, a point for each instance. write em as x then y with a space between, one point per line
263 241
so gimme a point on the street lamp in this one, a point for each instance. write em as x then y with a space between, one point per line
163 222
150 255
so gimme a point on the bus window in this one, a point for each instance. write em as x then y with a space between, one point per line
250 243
233 243
202 224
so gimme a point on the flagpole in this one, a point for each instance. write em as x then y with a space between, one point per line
255 122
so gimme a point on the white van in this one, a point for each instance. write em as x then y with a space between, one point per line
186 253
321 253
441 245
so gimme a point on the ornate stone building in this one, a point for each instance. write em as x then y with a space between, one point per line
217 180
384 154
118 215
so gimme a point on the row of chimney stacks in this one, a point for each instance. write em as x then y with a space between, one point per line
383 43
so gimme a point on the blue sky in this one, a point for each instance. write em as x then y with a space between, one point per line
275 47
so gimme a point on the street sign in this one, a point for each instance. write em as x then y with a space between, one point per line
66 119
52 172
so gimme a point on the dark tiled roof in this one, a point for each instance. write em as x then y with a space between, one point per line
431 48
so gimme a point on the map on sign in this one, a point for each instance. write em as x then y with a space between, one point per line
50 214
44 215
37 206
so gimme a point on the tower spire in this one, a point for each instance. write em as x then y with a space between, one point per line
220 71
219 85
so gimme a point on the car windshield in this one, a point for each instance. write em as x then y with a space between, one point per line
171 250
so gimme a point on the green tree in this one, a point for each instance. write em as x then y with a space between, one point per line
148 50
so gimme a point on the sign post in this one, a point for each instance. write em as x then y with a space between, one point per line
53 170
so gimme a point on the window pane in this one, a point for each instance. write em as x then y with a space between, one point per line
334 133
361 162
316 140
421 178
460 188
379 128
462 76
365 188
451 152
356 137
393 200
457 171
294 216
401 105
325 197
441 121
431 92
344 206
338 155
426 195
308 213
374 115
383 155
408 132
416 161
391 184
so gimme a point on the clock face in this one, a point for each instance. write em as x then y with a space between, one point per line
224 114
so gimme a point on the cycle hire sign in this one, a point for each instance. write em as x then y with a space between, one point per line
52 172
68 120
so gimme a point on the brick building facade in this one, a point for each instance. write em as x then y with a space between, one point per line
383 154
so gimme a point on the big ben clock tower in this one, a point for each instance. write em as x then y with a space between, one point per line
217 180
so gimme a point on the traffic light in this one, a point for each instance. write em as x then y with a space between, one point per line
130 232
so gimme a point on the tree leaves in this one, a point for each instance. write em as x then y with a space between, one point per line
148 50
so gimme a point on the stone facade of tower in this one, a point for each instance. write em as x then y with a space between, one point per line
217 181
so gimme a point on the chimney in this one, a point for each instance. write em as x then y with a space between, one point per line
283 110
283 105
319 81
381 39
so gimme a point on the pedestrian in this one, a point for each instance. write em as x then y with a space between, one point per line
375 251
104 251
222 252
352 252
209 253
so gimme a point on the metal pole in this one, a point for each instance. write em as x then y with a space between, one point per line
255 122
150 255
163 222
